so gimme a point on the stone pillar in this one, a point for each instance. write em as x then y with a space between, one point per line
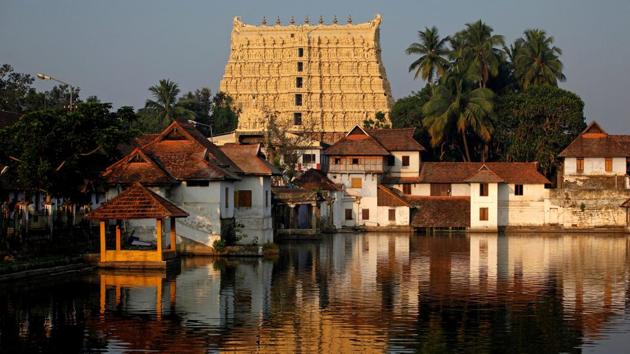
314 216
103 244
291 216
158 236
117 236
173 235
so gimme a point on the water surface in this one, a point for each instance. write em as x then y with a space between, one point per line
346 293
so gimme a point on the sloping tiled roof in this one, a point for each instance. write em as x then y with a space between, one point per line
484 175
440 211
314 179
357 143
459 172
595 142
401 180
626 204
137 167
396 139
8 118
248 158
137 202
180 151
387 197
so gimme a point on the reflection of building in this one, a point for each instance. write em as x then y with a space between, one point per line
329 77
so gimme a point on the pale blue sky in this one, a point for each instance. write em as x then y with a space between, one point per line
116 49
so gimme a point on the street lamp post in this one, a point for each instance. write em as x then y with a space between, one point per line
48 77
205 125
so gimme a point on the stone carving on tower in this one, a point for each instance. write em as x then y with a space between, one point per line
322 77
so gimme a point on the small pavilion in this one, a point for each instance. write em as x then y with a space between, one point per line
137 202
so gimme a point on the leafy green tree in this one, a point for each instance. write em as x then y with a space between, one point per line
432 52
160 111
536 60
476 52
379 122
536 125
457 106
62 152
224 117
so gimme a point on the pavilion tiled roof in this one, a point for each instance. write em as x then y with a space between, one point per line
138 167
314 179
357 143
248 158
396 139
459 172
440 211
137 202
595 142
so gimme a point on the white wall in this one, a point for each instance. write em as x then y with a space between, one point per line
402 216
490 202
398 170
522 210
595 166
319 159
460 189
256 221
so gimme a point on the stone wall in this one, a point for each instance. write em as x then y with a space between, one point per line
587 208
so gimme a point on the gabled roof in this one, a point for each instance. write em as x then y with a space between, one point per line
388 197
248 157
137 167
396 139
484 175
595 142
179 151
314 179
459 172
440 211
357 143
137 202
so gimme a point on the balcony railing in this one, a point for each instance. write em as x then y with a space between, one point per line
349 168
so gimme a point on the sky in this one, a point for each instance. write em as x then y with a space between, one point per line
116 49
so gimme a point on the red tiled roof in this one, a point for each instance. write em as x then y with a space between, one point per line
314 179
401 180
180 151
387 197
595 142
459 172
396 139
248 158
137 167
8 118
440 211
484 175
137 202
357 143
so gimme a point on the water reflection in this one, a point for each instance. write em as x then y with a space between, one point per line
347 293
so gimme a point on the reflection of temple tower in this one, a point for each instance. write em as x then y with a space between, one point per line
315 76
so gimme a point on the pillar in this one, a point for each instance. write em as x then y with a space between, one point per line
314 216
173 235
158 236
291 216
117 236
103 244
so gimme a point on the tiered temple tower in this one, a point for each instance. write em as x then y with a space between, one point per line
320 77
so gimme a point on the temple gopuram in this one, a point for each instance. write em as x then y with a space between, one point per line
312 76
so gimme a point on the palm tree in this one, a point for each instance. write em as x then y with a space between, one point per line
536 61
432 51
476 52
164 102
454 104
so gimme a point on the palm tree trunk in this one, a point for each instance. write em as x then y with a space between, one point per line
466 146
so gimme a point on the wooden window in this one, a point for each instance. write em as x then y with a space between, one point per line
243 199
579 165
392 215
483 214
440 189
348 214
297 118
299 82
365 214
300 52
298 99
608 164
300 66
483 189
227 198
391 161
308 158
337 161
406 188
356 183
355 161
518 189
405 160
